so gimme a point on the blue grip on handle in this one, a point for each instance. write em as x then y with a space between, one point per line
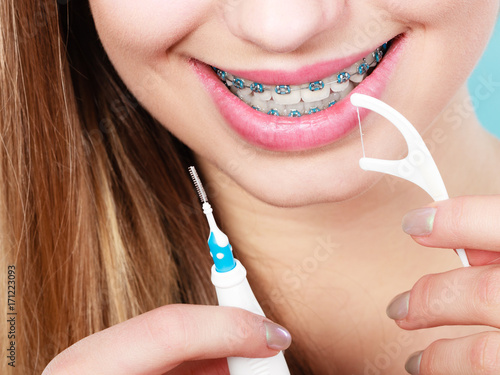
222 256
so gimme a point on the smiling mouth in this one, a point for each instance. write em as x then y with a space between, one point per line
305 99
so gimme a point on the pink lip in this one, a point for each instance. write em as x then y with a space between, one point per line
279 133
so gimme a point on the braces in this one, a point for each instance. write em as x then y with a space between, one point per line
342 77
257 88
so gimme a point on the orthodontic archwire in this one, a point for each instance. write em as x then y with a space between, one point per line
342 77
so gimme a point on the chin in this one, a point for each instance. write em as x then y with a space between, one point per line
305 195
293 182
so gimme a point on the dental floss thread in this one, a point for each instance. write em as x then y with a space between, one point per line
361 132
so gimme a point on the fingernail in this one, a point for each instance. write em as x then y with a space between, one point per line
412 365
419 222
398 307
278 338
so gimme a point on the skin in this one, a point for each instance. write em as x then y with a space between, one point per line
331 297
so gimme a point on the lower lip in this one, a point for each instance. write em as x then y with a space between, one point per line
278 133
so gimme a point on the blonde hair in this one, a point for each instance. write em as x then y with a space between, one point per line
97 211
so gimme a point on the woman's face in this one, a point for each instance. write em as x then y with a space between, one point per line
289 57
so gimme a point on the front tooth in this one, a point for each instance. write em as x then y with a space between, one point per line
334 81
338 87
313 107
292 98
265 95
275 106
294 107
308 95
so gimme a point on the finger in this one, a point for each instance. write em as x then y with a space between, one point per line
472 355
159 340
471 222
482 257
463 296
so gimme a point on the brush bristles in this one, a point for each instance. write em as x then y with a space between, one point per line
197 184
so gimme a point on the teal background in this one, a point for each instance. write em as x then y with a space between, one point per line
488 104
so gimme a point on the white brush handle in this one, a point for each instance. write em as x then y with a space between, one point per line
233 290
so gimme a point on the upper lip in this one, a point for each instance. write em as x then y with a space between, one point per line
305 74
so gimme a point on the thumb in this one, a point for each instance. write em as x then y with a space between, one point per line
159 340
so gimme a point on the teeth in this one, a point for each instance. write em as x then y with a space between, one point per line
338 87
352 69
277 107
262 104
349 88
299 107
229 79
309 96
325 103
313 107
292 98
370 59
265 95
244 93
304 99
358 78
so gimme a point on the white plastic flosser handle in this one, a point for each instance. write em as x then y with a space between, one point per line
417 167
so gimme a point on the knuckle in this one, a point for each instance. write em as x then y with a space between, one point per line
431 360
244 324
426 292
487 291
168 328
457 217
484 353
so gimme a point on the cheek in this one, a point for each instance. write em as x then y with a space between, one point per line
147 27
461 27
442 12
450 37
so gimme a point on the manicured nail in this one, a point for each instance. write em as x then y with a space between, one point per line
412 365
278 338
419 222
398 307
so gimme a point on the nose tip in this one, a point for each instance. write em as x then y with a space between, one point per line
280 25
